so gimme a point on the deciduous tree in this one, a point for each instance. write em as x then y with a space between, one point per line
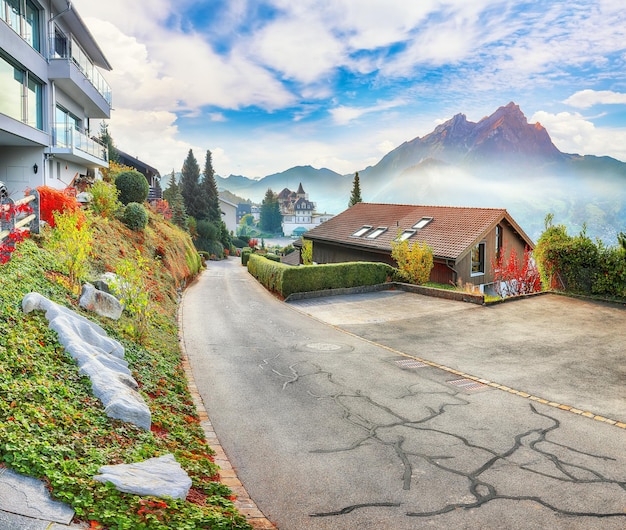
415 261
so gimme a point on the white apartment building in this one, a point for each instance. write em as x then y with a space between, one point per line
52 95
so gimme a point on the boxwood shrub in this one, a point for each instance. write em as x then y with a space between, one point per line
245 255
285 279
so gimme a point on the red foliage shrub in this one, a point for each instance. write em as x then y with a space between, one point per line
51 200
512 278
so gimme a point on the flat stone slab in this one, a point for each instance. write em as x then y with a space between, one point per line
161 477
27 496
99 357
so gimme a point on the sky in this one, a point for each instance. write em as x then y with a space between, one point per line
268 85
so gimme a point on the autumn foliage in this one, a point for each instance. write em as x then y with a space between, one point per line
512 278
52 200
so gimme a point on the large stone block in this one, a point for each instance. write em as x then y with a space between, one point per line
99 357
160 477
100 302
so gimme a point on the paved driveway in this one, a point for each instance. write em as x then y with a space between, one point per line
330 431
565 350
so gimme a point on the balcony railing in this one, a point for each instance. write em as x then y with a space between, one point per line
71 138
59 49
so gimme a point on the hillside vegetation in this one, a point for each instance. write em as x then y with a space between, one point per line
52 428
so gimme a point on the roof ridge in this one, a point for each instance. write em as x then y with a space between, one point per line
500 209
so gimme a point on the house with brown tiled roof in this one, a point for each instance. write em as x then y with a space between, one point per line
464 240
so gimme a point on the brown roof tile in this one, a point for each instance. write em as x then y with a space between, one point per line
452 231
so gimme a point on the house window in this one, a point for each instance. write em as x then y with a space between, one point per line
23 17
21 95
498 241
405 235
478 259
375 233
362 231
422 223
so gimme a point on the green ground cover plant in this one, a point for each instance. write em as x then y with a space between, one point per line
51 426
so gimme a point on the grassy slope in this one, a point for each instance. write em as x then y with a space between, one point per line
51 427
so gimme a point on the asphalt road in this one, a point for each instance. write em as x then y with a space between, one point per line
330 431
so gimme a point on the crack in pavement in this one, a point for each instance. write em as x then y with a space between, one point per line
379 424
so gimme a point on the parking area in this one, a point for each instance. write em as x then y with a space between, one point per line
565 350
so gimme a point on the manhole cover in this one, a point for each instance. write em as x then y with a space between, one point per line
467 384
323 346
410 363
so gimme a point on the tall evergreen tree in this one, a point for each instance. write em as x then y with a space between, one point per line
172 189
190 185
356 191
209 197
107 140
270 217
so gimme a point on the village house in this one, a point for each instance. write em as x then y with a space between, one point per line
465 241
298 212
53 96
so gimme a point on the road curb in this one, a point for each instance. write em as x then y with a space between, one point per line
228 476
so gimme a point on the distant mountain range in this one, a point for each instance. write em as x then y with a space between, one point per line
501 161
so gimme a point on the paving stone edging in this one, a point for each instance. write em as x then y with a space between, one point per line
228 476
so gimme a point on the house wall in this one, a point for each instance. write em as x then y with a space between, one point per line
509 241
16 169
329 253
229 216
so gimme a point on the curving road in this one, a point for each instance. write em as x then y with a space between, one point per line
330 431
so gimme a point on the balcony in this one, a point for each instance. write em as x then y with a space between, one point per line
75 146
75 74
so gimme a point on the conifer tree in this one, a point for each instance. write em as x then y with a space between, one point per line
172 188
209 197
107 140
356 191
190 185
270 217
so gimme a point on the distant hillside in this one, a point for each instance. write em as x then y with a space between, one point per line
500 161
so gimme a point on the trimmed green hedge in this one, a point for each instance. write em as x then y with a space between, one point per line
285 279
245 255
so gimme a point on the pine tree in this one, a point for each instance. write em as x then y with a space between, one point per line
190 185
172 189
356 191
179 212
107 140
270 218
209 197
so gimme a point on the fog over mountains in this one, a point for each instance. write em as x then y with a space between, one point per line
501 161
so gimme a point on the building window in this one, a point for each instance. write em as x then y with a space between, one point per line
23 17
498 241
375 233
405 235
478 259
362 231
422 223
22 95
65 123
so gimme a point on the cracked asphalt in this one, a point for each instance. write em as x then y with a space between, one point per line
331 423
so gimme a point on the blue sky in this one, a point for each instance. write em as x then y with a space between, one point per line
267 85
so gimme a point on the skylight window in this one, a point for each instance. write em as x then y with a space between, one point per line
362 231
375 233
405 235
422 223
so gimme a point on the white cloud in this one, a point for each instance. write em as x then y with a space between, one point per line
572 133
343 115
584 99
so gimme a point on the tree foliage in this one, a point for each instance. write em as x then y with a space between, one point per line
132 186
271 219
107 140
512 278
356 191
209 197
190 185
307 252
578 264
415 261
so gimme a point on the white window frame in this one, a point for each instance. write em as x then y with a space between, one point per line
362 231
480 262
422 223
376 232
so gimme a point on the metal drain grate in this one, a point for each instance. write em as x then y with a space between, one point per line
411 363
467 384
